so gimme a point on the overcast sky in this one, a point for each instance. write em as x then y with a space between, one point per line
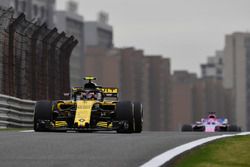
187 31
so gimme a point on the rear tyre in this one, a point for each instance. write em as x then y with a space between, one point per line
125 115
43 113
138 115
233 128
239 129
186 128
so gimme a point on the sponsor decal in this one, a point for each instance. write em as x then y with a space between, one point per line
109 90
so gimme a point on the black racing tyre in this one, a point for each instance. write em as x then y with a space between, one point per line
196 128
233 128
43 111
239 129
138 115
186 128
125 112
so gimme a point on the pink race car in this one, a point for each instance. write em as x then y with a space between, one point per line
212 124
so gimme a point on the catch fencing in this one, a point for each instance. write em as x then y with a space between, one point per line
34 60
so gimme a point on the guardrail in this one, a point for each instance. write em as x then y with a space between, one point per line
15 112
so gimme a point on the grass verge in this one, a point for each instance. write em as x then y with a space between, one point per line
227 152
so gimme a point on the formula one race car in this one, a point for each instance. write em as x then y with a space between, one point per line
212 124
91 108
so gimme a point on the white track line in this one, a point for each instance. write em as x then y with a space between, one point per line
27 131
168 155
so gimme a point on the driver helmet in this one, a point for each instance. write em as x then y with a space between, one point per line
90 85
91 95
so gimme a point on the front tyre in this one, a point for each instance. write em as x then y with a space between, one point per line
233 128
186 128
138 115
125 117
42 115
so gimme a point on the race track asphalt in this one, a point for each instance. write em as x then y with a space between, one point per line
100 149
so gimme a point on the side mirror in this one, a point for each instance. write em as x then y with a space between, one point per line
66 94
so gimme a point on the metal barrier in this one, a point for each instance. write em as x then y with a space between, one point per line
15 112
31 55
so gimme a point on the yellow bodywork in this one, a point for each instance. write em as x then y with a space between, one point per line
104 124
59 124
83 112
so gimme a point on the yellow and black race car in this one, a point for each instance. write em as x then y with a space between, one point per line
91 108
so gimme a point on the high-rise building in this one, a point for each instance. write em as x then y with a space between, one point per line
214 66
131 72
166 87
99 33
72 23
5 3
182 99
236 75
158 89
213 96
140 78
40 11
104 64
135 79
209 95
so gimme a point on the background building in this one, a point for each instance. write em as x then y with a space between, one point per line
193 98
158 89
131 74
214 66
40 11
182 99
213 99
99 33
72 23
5 3
104 64
140 78
237 75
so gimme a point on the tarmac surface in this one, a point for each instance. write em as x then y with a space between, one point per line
98 149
